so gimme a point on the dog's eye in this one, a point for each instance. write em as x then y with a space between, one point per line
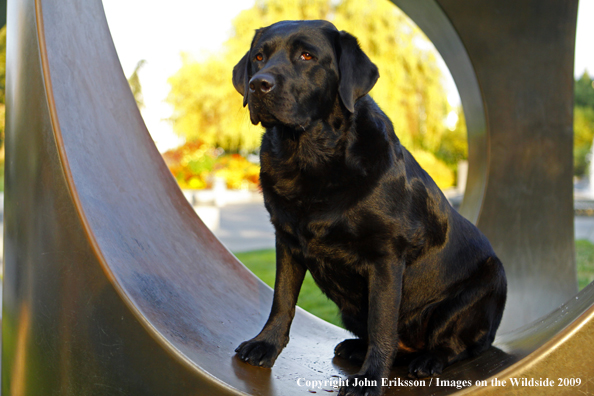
259 57
306 56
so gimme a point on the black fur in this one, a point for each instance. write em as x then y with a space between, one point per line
415 282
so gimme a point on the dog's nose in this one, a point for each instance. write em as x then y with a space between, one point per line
262 84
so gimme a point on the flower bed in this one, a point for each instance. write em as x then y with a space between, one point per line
196 165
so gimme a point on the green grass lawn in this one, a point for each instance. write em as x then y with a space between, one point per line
262 263
584 257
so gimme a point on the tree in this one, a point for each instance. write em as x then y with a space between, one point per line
2 87
583 124
584 91
207 107
454 143
134 81
409 89
583 127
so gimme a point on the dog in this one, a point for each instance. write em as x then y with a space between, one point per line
415 282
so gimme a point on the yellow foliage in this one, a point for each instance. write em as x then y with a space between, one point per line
409 89
239 173
207 106
583 126
583 133
192 164
437 169
195 165
454 143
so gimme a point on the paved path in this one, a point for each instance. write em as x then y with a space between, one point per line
245 227
584 228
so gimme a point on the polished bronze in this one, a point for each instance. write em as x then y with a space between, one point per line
513 64
113 285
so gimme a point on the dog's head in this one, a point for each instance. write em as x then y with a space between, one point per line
294 71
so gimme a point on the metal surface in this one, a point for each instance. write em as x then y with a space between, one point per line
513 64
523 54
112 284
429 16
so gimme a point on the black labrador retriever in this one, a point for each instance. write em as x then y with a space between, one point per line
414 280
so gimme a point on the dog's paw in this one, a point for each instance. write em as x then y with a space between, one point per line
258 353
353 349
360 385
426 365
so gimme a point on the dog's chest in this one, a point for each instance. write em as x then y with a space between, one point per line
329 237
322 210
330 252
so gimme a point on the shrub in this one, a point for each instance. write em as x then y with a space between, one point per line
192 164
437 169
238 172
195 165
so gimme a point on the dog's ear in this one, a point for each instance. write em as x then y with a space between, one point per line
241 73
240 77
357 73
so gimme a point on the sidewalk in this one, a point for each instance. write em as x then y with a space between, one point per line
584 228
244 227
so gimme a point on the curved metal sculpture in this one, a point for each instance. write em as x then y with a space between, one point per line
113 285
513 65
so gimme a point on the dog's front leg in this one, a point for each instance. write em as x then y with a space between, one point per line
385 289
263 349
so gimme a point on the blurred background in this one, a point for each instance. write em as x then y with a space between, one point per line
178 60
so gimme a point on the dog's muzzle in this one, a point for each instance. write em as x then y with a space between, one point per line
261 84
